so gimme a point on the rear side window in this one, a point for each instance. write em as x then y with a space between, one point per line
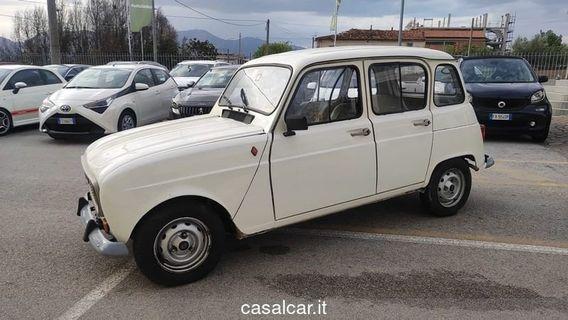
447 86
161 76
49 77
397 87
327 95
31 77
144 76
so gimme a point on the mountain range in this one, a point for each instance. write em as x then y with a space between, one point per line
248 44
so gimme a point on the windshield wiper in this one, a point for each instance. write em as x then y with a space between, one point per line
80 87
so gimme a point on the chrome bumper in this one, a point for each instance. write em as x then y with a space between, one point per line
489 162
95 236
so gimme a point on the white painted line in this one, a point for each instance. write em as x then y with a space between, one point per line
428 240
89 300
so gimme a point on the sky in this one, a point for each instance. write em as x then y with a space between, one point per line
297 21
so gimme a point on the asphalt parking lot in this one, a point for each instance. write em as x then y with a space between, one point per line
504 256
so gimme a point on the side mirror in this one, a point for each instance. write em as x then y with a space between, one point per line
295 124
69 77
190 84
542 79
311 86
141 86
18 86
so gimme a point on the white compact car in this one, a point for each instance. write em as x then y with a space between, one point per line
187 72
274 152
107 99
23 90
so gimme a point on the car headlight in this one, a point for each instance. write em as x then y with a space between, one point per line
100 106
538 96
46 105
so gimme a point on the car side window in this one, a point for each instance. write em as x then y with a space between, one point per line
144 76
447 86
397 87
327 95
31 77
49 77
161 76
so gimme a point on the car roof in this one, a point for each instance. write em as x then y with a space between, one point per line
126 66
201 62
492 57
305 57
231 66
15 66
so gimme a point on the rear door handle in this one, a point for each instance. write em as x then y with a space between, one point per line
423 122
360 132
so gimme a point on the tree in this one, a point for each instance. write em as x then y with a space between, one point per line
198 49
272 48
547 41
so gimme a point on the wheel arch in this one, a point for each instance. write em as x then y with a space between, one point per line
217 208
469 158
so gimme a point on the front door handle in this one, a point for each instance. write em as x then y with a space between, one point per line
423 122
360 132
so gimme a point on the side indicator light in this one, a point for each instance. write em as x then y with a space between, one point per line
254 151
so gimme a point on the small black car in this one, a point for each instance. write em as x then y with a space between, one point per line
508 97
201 97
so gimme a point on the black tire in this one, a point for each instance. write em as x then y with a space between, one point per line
150 237
6 123
435 197
541 136
121 126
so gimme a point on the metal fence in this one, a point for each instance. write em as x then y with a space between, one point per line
168 60
552 64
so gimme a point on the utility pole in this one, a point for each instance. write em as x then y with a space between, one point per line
129 33
154 31
400 24
267 31
54 49
142 44
239 56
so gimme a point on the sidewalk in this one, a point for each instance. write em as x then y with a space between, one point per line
558 136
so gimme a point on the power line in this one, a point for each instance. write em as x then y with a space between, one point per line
226 21
204 18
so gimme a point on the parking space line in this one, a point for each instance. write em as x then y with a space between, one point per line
89 300
427 240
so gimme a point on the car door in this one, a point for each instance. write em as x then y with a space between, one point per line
167 89
23 103
334 160
147 106
402 121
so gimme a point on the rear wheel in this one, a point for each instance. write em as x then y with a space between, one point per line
179 244
127 120
448 189
5 122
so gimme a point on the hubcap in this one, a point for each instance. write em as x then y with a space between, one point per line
182 245
127 122
4 122
451 187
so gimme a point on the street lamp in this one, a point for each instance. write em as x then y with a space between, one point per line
400 24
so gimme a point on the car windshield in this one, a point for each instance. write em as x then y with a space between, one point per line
496 70
3 74
58 68
190 70
216 78
260 87
100 78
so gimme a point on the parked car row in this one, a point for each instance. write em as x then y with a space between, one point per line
99 100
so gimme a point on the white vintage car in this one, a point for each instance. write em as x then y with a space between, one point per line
275 151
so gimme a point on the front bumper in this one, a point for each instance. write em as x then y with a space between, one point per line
520 119
95 235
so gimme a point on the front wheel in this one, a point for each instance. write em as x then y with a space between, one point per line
541 136
448 189
179 244
5 122
127 120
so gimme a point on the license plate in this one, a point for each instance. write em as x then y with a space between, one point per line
500 116
66 121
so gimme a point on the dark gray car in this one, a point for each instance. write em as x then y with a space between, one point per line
201 98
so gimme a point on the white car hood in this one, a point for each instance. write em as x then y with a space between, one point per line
111 152
184 81
70 96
